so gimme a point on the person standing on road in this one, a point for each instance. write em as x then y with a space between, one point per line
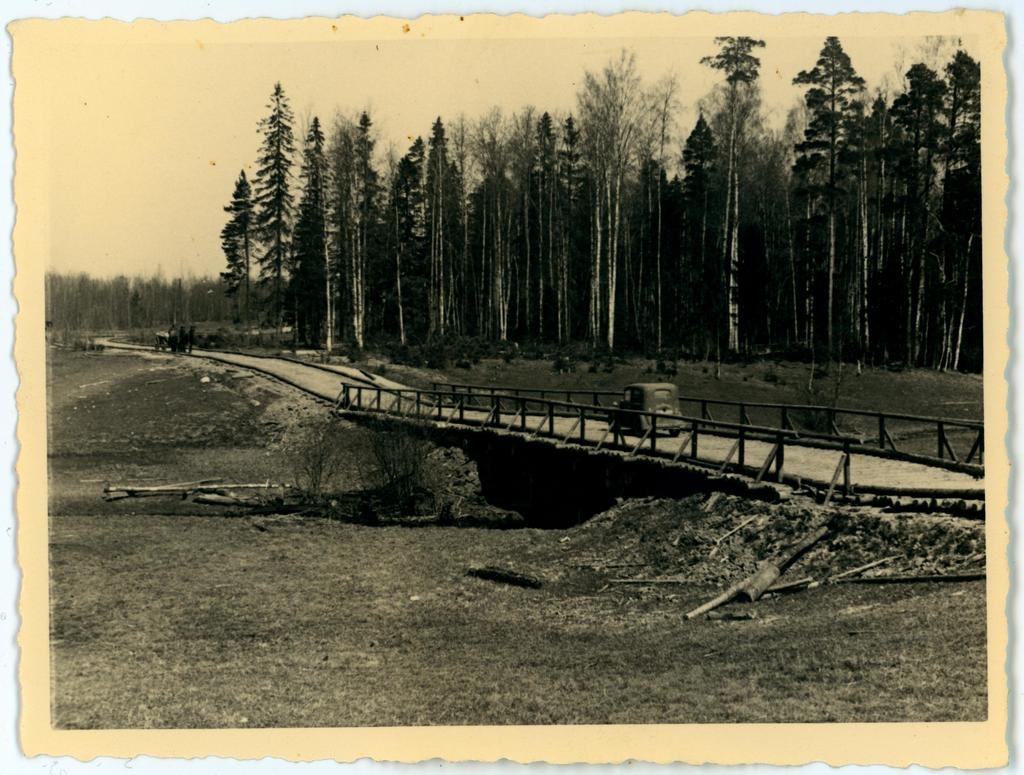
181 339
191 337
172 339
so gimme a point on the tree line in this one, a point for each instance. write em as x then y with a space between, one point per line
852 232
79 302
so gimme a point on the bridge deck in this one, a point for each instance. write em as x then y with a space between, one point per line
808 463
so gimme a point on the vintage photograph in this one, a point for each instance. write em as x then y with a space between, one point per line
473 372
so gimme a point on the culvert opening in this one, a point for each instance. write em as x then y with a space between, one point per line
425 474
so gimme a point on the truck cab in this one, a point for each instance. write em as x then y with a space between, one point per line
661 398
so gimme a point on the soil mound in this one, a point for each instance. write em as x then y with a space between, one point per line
651 538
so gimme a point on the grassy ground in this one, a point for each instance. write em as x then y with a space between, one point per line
162 617
914 391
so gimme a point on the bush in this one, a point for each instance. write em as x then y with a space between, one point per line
398 467
317 458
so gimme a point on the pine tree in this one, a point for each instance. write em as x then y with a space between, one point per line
236 241
916 115
832 85
961 202
274 199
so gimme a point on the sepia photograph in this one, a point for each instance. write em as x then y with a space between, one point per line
512 373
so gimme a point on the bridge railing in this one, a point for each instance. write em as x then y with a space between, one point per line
920 438
603 427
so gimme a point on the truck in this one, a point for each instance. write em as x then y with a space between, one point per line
661 398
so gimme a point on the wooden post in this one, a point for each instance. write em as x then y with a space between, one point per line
359 396
551 418
654 432
767 462
881 431
497 410
780 457
693 441
462 408
835 478
743 448
640 443
522 414
846 468
978 448
682 445
940 438
784 418
583 426
728 457
607 430
572 430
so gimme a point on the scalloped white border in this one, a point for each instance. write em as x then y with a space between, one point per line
11 760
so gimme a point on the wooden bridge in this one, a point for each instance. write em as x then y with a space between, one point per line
784 453
797 446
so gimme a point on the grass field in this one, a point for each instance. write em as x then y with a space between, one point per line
914 391
165 617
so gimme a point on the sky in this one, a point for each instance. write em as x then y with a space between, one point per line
148 130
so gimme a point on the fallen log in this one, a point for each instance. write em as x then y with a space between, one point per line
753 586
790 585
491 573
913 579
215 499
206 485
118 494
712 604
860 569
771 570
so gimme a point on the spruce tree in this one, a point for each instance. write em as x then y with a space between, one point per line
236 241
274 200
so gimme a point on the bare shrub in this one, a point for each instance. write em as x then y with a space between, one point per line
317 457
398 463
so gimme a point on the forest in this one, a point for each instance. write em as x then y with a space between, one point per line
851 232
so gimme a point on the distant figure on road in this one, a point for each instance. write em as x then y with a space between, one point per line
182 339
172 339
191 337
